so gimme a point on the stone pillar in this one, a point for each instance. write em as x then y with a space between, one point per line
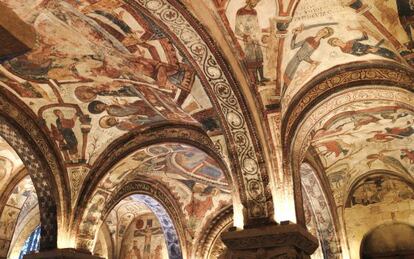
66 253
273 241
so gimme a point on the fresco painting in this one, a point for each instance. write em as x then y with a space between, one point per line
378 189
102 68
10 163
318 214
351 37
144 239
375 135
21 200
375 200
194 178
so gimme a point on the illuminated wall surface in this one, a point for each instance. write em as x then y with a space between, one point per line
148 128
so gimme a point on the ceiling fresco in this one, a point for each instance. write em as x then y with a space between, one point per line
280 53
21 200
362 137
102 69
139 224
193 178
328 33
9 163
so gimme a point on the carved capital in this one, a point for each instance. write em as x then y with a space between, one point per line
274 241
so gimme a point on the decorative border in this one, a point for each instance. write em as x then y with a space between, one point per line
189 35
38 168
130 143
212 231
156 191
353 74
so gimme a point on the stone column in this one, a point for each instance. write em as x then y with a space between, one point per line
66 253
287 240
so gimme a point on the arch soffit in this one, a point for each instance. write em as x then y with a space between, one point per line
301 136
240 132
19 129
348 76
124 146
221 221
17 178
143 186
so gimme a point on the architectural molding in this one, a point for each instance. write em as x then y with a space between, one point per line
351 75
39 157
240 131
212 231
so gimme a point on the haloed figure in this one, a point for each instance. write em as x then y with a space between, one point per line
249 31
356 48
306 48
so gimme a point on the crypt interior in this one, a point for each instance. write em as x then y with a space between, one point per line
204 129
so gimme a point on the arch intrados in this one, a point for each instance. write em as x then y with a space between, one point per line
409 254
352 75
291 147
155 191
127 145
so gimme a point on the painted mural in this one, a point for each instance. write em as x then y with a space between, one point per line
9 163
252 28
102 68
323 34
144 239
318 214
376 199
18 204
194 179
374 135
182 162
140 228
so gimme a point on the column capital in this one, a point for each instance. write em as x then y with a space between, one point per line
273 241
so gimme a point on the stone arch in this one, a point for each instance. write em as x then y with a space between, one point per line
14 207
106 241
126 145
153 191
240 131
212 231
392 240
20 130
348 81
326 220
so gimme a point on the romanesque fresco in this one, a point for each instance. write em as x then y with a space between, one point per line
376 199
318 214
251 26
139 227
9 163
361 137
196 181
172 160
328 33
111 70
18 204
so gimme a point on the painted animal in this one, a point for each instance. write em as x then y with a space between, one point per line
360 121
407 154
333 147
